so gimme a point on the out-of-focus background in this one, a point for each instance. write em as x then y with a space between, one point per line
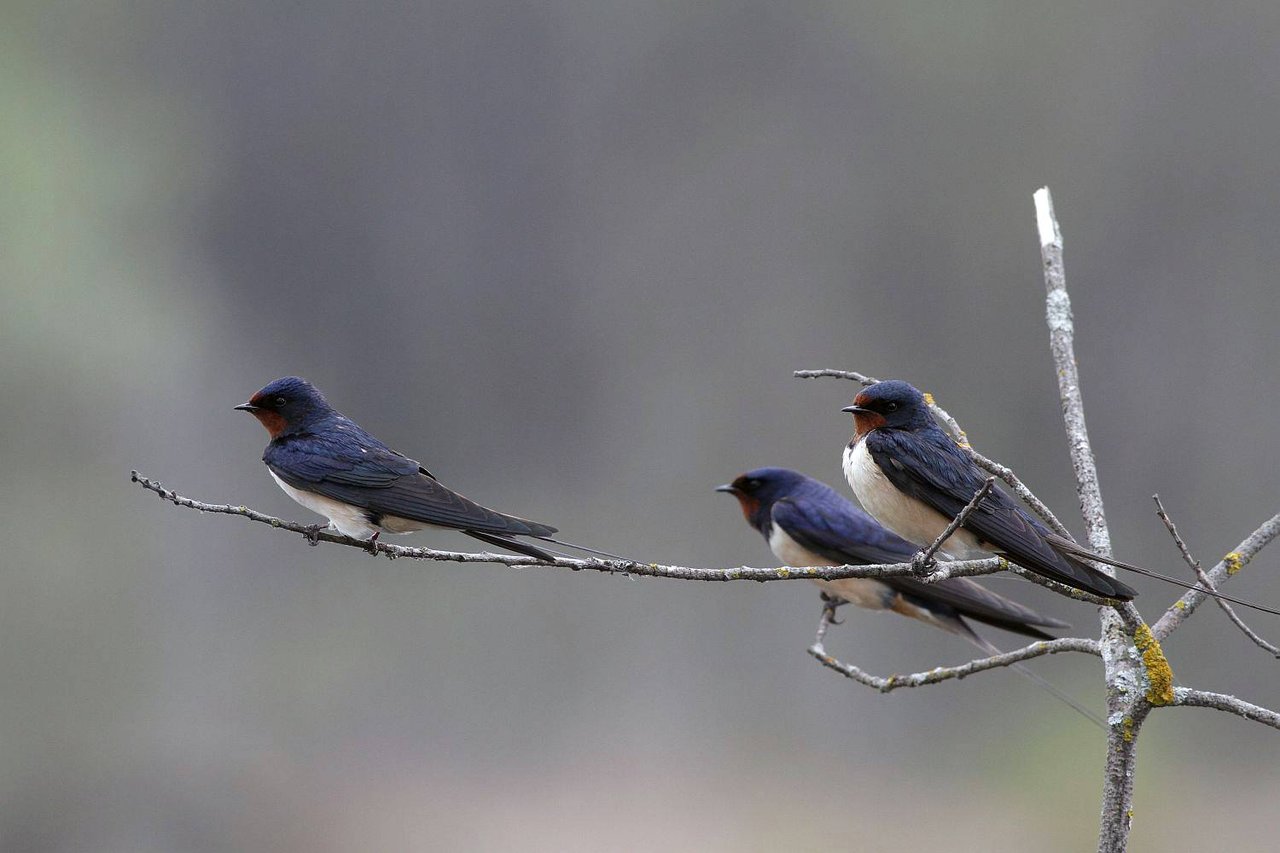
567 254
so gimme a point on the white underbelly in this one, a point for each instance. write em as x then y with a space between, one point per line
907 517
347 520
863 592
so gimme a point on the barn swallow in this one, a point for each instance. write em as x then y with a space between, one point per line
327 463
914 479
807 523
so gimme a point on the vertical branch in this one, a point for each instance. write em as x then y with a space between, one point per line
1062 345
1126 705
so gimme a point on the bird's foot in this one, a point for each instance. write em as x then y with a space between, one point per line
829 605
371 544
922 566
313 534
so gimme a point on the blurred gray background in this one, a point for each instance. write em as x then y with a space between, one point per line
568 254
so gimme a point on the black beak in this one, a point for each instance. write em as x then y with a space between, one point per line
727 488
247 407
857 410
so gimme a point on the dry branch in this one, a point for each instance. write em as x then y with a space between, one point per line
888 683
1204 579
966 568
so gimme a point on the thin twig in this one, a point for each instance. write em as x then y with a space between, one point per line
944 571
1177 540
1207 582
887 684
836 374
966 568
1024 494
1188 698
962 439
1229 565
923 560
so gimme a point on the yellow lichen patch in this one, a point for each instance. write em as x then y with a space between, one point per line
784 572
928 399
1159 673
1126 729
1234 562
1180 604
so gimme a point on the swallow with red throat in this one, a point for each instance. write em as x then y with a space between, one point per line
327 463
914 479
807 523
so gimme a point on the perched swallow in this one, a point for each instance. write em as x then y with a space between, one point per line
807 523
327 463
914 479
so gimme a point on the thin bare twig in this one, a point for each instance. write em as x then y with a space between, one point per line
1226 567
966 568
962 439
944 571
1177 540
836 374
886 684
923 561
1024 494
1188 698
1207 582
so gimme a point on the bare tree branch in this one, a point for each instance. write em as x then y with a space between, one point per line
1188 698
1177 540
886 684
923 561
1226 567
962 439
965 568
836 374
1204 579
1129 674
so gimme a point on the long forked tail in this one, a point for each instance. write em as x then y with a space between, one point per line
991 649
511 543
584 548
1068 547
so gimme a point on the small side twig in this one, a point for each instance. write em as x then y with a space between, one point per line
1226 567
1188 698
887 684
923 562
1207 582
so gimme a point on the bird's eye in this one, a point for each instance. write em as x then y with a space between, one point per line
891 407
280 401
752 485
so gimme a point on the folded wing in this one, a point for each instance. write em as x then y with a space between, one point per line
933 470
370 475
847 536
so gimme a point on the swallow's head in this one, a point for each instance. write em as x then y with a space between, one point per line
892 404
758 490
287 405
